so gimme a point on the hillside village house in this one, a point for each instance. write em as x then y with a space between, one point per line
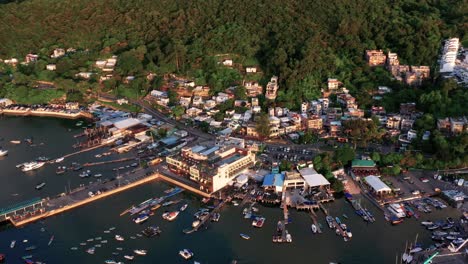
251 69
51 67
375 57
272 88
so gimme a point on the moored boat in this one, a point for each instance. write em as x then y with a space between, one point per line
119 238
313 228
40 185
13 243
16 142
196 223
140 252
3 152
244 236
29 166
129 257
170 216
258 222
59 160
141 218
186 253
183 207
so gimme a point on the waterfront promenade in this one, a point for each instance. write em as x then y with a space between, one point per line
99 190
45 113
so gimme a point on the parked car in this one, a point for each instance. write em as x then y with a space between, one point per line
422 179
416 192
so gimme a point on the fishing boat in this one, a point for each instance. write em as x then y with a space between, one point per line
186 253
60 170
73 248
258 222
82 244
427 223
170 216
111 228
141 218
330 222
439 233
119 249
50 240
338 221
98 155
30 248
13 243
3 152
110 261
140 252
154 208
183 207
90 240
169 190
215 217
129 257
119 238
396 210
313 228
244 236
447 226
90 250
40 185
196 223
85 174
103 241
415 250
151 231
394 220
59 160
99 175
142 206
16 142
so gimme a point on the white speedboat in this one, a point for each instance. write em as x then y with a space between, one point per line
140 252
119 238
40 185
141 218
313 228
195 223
183 207
13 243
129 257
186 253
59 160
3 152
34 165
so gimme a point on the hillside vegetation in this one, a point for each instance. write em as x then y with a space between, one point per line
304 42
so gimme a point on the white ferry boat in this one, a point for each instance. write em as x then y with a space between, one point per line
396 210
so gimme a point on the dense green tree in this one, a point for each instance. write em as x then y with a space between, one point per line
263 125
178 111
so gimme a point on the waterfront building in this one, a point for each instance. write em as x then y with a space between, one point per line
212 168
273 181
313 179
363 167
377 186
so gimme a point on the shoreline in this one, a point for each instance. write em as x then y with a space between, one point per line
77 115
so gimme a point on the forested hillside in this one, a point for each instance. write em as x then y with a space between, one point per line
304 42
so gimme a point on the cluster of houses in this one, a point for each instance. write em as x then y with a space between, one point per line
411 75
314 116
454 61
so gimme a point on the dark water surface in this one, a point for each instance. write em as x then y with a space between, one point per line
220 243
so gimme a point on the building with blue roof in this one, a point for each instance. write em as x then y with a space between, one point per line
273 181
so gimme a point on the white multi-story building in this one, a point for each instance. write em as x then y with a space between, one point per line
449 55
272 88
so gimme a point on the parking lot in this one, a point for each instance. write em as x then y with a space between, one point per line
289 153
412 183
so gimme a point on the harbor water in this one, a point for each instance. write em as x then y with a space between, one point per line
378 242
